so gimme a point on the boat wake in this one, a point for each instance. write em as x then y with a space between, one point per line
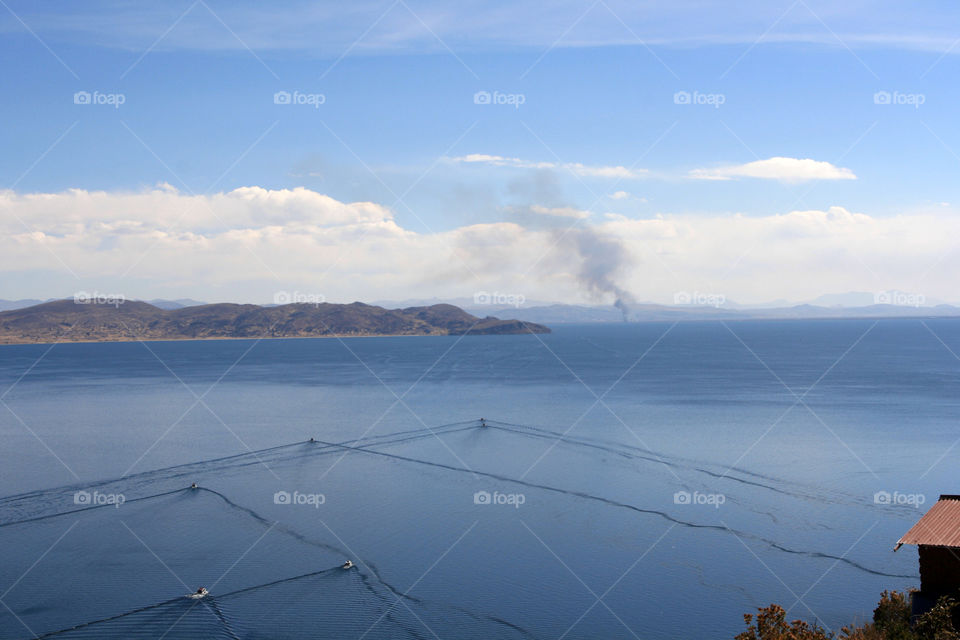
364 593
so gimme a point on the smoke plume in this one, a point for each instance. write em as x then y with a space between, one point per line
602 260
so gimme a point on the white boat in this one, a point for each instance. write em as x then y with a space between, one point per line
199 593
347 565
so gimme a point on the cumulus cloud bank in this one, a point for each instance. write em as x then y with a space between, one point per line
778 168
245 244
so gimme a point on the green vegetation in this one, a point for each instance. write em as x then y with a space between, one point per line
891 621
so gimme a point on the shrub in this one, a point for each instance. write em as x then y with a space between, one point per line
771 624
892 616
937 624
891 621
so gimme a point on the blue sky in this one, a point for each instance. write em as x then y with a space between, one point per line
597 82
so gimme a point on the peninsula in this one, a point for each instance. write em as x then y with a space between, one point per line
70 321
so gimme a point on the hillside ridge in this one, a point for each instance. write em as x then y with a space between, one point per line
71 321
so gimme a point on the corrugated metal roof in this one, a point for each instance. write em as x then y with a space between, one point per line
940 526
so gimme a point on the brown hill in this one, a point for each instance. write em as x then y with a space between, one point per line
68 321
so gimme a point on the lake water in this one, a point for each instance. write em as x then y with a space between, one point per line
641 480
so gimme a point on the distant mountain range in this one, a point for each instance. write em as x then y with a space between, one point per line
844 305
570 314
838 305
9 305
179 303
70 321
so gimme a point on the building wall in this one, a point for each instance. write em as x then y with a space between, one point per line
939 569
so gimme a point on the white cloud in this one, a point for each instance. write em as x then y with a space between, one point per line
492 26
166 208
778 168
573 167
245 244
560 212
619 195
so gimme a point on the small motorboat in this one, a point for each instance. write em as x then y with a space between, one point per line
199 593
193 486
347 565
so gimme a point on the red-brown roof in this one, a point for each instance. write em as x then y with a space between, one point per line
939 527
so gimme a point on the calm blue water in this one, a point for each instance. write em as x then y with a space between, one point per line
780 432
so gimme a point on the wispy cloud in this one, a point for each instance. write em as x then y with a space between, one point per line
495 25
777 168
576 168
